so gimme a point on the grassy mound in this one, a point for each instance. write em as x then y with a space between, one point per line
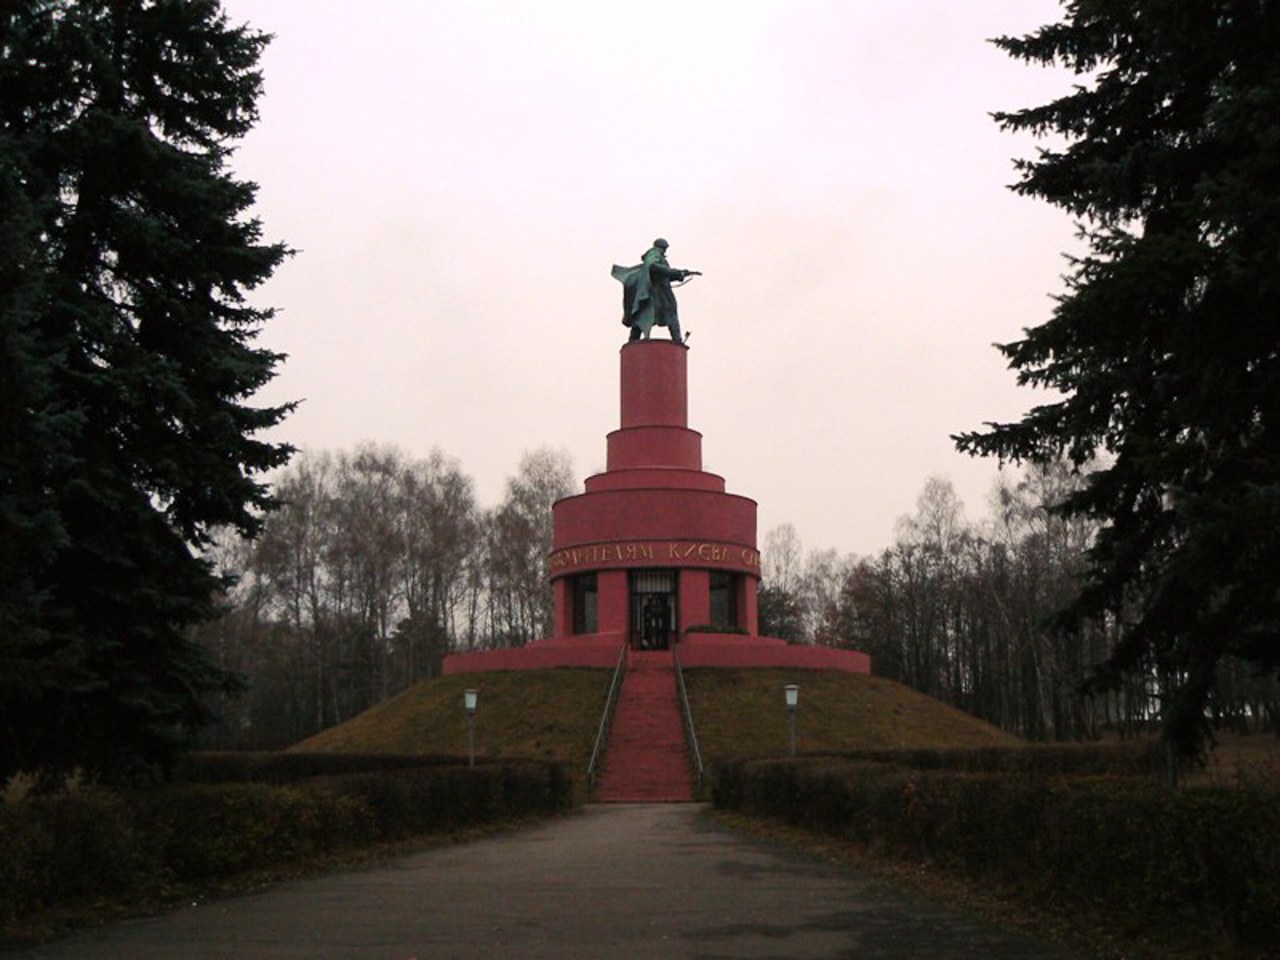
533 714
741 713
554 713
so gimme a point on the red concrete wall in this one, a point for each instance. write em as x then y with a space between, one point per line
562 603
695 599
614 600
655 384
596 650
695 650
733 650
663 478
654 514
654 446
748 606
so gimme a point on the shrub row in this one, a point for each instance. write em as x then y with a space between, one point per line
266 767
1201 859
1144 758
408 802
97 843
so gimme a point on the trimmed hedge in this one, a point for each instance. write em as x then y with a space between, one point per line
210 832
80 845
406 802
97 843
1205 859
261 767
1143 758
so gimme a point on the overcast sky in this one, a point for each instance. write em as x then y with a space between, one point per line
458 177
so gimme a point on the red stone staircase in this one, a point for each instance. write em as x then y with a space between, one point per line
646 760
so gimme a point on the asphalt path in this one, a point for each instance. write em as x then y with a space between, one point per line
630 882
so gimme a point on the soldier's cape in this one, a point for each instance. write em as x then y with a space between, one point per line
637 292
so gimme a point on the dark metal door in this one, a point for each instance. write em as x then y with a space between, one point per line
653 609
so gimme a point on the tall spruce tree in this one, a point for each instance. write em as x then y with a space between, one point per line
1165 350
126 364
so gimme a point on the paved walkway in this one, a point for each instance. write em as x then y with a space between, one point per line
615 882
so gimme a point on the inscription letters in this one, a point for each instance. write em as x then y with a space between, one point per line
678 550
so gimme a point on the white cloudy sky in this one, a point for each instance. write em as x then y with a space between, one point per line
458 177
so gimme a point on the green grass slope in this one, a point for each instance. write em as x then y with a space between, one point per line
554 713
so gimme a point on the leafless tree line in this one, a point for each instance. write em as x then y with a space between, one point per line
961 611
374 567
377 565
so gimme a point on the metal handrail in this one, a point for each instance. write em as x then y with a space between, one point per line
602 731
690 734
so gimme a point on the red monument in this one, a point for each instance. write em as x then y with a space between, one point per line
654 553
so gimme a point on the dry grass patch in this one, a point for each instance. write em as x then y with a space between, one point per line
532 714
1241 761
740 713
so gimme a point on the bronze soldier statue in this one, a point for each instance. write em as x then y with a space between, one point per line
647 297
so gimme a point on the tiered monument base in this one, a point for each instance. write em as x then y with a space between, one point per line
655 554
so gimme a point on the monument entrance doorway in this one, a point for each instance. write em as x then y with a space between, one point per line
654 606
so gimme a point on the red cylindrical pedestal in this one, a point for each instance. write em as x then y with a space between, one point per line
655 381
654 538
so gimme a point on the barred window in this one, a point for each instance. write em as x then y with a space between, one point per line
724 600
586 604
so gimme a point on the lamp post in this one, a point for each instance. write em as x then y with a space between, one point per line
469 698
792 691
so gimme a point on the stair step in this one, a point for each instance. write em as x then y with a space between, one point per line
646 758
